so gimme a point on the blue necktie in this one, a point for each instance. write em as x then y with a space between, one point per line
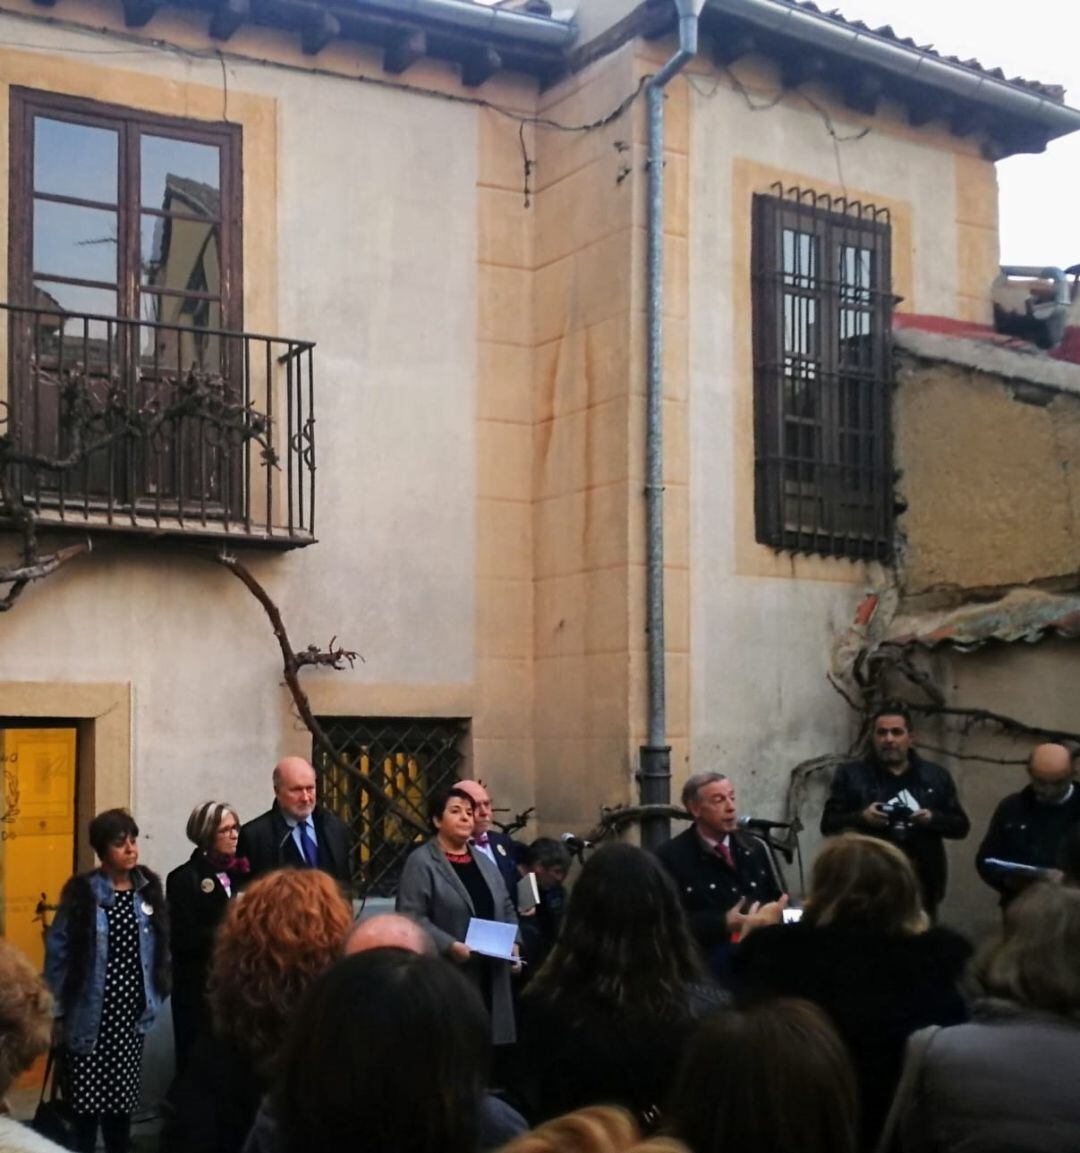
307 842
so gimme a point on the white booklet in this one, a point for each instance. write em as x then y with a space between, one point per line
492 938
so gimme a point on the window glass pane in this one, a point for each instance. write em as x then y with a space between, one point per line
800 258
74 298
171 350
74 241
184 255
800 325
75 160
855 271
180 176
84 341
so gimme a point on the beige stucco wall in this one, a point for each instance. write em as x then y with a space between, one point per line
361 234
762 624
991 482
480 377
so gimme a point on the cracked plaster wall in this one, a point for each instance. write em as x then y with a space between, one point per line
991 481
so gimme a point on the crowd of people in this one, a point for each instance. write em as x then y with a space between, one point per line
666 1002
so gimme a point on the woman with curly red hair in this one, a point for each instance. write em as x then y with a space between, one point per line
288 929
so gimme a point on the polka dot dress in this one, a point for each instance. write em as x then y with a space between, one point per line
107 1080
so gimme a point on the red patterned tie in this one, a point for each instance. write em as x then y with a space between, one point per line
723 851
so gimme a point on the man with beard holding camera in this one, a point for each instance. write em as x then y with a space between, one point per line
896 795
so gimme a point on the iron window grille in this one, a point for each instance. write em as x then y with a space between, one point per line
409 759
822 318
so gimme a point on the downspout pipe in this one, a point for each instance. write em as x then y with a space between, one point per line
654 768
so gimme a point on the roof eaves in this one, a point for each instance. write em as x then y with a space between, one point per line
1013 115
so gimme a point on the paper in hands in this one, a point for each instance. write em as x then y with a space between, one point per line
492 938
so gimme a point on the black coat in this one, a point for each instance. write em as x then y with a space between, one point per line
506 852
877 989
579 1052
1026 831
197 902
708 886
858 784
268 843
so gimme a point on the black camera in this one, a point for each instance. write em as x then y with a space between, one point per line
899 817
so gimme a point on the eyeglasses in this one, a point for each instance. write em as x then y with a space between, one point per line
229 831
890 732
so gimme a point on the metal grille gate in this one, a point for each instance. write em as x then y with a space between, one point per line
409 759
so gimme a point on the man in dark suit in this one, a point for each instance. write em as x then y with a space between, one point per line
295 831
1031 827
894 794
497 847
724 877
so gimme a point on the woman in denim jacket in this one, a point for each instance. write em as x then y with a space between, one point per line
107 963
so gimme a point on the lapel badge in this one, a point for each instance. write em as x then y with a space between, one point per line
206 885
501 850
147 908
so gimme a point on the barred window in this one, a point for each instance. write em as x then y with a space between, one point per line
409 759
822 315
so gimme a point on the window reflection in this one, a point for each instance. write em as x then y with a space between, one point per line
180 175
75 160
70 240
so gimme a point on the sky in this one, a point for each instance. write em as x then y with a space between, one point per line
1040 209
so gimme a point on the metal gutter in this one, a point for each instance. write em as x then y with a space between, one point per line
816 30
481 19
654 772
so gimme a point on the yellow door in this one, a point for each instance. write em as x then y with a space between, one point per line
37 831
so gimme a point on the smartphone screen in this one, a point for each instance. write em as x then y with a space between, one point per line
791 916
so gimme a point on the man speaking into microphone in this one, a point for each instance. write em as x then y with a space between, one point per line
721 873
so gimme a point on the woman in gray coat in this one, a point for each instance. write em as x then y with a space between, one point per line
1007 1081
445 883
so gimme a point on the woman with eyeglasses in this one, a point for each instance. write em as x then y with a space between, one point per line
107 962
198 893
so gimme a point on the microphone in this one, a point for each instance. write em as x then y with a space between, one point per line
761 823
575 844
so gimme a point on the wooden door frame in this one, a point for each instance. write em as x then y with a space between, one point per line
102 717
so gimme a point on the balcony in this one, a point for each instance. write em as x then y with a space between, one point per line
131 426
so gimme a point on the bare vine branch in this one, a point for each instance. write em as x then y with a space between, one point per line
293 663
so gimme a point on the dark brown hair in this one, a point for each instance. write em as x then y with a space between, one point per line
624 944
772 1078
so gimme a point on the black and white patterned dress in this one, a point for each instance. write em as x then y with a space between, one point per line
107 1080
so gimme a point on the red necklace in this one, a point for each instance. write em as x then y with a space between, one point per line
457 858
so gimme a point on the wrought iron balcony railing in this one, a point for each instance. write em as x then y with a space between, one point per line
140 426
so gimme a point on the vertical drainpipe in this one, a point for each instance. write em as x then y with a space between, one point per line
654 772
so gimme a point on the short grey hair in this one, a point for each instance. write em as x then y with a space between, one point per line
205 819
696 782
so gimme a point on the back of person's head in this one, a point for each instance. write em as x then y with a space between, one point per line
547 853
773 1078
1037 964
25 1015
594 1129
625 942
389 1051
864 883
288 927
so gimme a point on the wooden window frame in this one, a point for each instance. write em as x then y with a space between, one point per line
134 471
129 123
822 453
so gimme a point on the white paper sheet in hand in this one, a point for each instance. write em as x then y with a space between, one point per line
492 938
